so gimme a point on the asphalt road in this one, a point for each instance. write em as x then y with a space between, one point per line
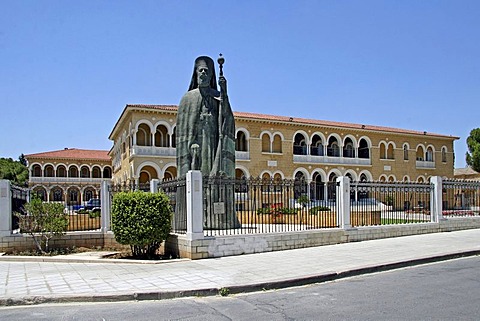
448 290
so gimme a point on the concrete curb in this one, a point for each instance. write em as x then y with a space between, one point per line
236 289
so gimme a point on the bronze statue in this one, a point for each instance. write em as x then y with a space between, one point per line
205 132
205 140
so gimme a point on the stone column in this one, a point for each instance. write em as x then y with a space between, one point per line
436 199
343 202
194 191
106 206
5 208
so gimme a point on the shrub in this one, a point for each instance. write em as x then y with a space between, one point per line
141 220
83 211
43 221
264 210
94 213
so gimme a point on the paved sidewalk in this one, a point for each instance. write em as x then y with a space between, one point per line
88 279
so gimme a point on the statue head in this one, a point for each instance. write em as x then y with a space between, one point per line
203 74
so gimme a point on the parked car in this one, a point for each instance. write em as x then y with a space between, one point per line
92 204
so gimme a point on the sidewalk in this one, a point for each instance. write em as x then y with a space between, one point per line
89 279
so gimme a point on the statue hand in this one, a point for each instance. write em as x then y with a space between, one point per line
223 85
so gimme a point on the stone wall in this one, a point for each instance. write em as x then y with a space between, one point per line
210 247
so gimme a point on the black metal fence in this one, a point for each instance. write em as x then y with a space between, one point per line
172 188
384 203
460 198
20 196
256 205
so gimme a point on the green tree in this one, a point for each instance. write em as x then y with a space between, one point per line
43 221
141 220
14 171
473 154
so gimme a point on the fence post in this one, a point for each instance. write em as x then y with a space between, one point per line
154 185
105 205
343 202
436 199
194 193
5 208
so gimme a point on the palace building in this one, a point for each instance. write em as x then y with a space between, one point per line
281 147
70 175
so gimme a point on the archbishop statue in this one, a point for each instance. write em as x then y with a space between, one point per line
205 141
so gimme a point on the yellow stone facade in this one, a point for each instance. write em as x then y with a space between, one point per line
284 147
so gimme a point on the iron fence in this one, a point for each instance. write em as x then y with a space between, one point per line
173 189
383 203
256 205
460 198
20 196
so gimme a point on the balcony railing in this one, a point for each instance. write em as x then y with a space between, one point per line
330 160
152 151
242 155
425 164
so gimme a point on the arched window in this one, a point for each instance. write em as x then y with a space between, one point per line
161 137
299 145
36 171
73 171
241 142
429 154
383 151
84 172
48 171
348 150
61 171
143 135
333 149
420 153
363 150
96 172
317 190
277 144
332 187
40 192
266 143
107 172
57 195
405 151
444 154
316 148
390 154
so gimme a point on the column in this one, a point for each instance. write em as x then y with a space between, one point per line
343 202
5 208
436 205
194 205
106 206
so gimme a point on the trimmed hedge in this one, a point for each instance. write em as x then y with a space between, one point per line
141 220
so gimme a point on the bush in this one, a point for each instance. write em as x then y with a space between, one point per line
43 221
83 211
141 220
94 213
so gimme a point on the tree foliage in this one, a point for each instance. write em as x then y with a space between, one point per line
141 220
43 221
14 171
473 154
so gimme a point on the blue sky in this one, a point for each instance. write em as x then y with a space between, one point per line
68 68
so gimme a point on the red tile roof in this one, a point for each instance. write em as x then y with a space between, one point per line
306 121
74 153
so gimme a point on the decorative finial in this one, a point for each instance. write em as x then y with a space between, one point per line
221 61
